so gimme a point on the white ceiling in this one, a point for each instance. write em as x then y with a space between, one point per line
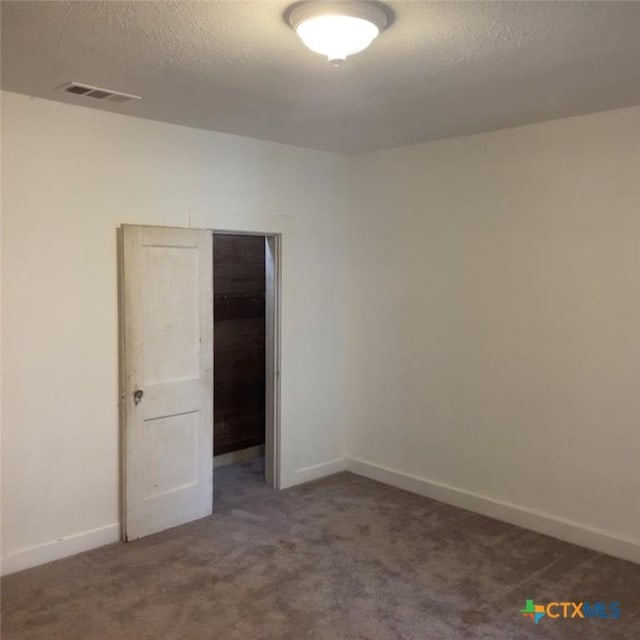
442 69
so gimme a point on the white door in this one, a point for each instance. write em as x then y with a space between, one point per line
167 377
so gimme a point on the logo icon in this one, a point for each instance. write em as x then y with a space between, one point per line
533 611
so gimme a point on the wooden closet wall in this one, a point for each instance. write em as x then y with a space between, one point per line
239 342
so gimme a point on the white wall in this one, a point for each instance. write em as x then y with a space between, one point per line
71 176
494 324
490 321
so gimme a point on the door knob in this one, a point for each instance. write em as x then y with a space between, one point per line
137 396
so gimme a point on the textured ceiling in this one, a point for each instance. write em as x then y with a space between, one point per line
442 69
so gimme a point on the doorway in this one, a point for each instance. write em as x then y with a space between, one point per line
239 350
246 291
168 395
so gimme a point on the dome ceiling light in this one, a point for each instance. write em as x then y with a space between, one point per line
337 29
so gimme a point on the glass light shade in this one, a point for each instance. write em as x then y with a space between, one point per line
337 36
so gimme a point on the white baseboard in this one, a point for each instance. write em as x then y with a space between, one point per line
574 532
60 548
242 455
319 471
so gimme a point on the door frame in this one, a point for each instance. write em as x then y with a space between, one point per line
273 319
273 286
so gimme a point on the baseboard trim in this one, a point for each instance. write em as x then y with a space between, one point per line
567 530
319 470
60 548
241 455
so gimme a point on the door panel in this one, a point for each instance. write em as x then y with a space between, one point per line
167 377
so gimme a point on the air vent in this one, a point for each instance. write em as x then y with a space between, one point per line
98 93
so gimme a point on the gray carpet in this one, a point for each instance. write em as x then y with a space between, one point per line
340 558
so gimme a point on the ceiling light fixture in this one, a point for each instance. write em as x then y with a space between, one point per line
338 29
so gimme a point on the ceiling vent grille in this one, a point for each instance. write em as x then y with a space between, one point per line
98 93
